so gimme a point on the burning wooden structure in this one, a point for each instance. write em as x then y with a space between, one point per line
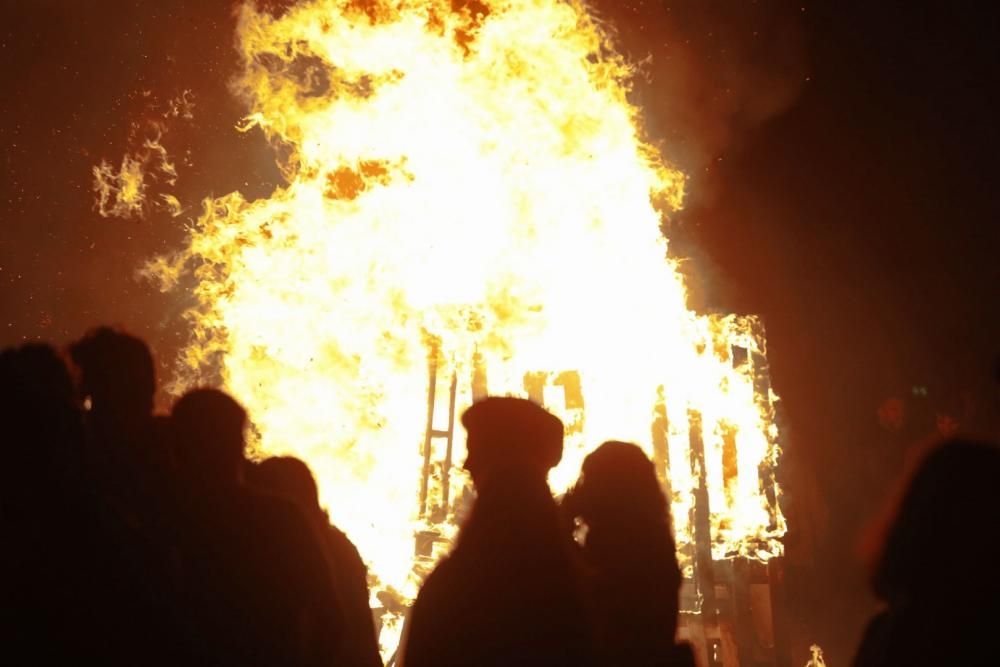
475 179
731 604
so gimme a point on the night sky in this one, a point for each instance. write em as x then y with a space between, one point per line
842 159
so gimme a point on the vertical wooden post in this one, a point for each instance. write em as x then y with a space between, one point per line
701 520
446 466
431 390
762 390
480 386
534 385
779 611
742 612
661 447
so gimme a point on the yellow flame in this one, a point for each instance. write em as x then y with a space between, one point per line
172 204
181 106
125 192
816 657
119 193
470 185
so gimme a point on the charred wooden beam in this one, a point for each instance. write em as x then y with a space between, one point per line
701 519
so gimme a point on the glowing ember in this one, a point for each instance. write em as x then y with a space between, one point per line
473 182
125 192
816 657
119 193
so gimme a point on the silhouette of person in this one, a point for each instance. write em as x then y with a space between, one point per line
509 593
77 587
289 478
940 601
39 489
633 579
254 587
127 448
42 425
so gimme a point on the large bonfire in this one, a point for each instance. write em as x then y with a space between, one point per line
468 186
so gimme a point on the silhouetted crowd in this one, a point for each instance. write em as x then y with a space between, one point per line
131 538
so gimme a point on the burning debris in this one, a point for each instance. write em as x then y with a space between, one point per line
124 192
120 193
468 191
816 657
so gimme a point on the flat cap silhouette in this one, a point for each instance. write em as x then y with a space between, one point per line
504 430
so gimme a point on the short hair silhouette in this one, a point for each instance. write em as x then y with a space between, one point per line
35 371
286 477
253 578
208 428
116 370
291 479
74 567
40 419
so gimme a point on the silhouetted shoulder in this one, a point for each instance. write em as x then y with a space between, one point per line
939 604
436 610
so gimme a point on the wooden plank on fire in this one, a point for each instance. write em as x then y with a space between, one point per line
661 447
429 434
450 435
779 611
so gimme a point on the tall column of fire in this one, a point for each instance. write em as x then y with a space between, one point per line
472 179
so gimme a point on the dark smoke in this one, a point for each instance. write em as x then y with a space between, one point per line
710 72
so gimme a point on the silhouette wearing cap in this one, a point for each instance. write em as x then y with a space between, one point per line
506 432
509 593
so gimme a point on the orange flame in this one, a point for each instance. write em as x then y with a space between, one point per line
469 183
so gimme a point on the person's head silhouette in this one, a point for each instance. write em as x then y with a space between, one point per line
289 478
116 376
208 427
34 372
951 498
38 411
619 480
510 434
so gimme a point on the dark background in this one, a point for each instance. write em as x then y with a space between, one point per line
842 158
